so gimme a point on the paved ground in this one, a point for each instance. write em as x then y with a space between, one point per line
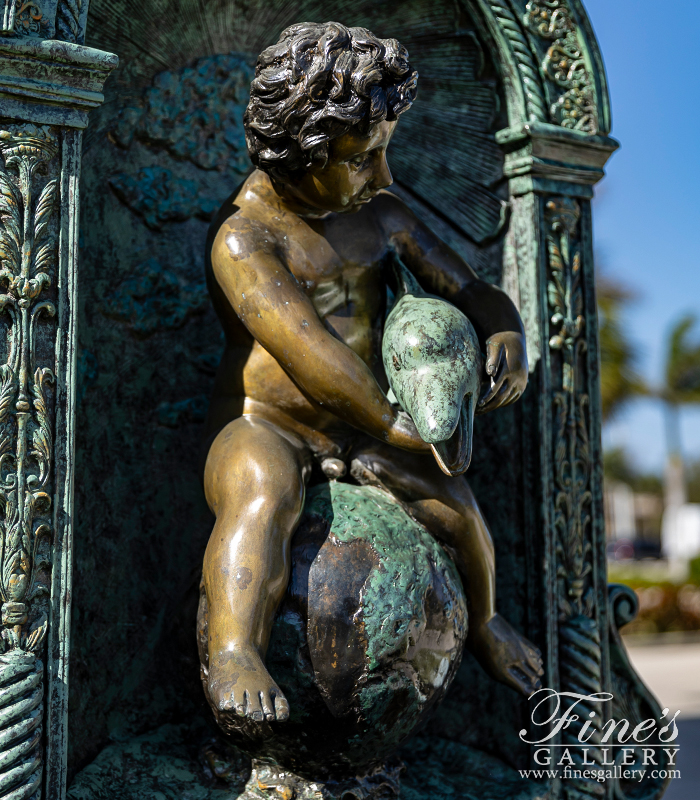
672 672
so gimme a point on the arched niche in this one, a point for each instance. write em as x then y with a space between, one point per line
499 154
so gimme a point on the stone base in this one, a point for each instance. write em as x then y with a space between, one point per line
184 762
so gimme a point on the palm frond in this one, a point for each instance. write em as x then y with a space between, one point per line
683 363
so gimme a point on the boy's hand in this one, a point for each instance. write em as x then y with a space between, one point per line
506 366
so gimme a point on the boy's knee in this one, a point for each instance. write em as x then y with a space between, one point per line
258 493
255 469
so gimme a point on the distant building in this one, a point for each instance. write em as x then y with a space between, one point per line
619 511
681 532
648 511
631 515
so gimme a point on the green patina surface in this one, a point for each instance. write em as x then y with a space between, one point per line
393 596
155 161
165 765
164 150
367 640
432 359
162 765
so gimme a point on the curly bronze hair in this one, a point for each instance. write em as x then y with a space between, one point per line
319 81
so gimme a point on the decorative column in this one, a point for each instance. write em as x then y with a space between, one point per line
46 89
555 150
551 171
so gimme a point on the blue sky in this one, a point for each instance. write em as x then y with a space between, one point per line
646 213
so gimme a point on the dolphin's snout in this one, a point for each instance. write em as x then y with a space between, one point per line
433 404
433 363
454 455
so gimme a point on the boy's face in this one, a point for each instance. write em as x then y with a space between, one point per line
355 171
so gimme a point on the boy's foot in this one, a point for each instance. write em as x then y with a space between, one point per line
238 683
506 655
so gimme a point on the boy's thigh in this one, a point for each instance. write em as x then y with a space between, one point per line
250 454
414 476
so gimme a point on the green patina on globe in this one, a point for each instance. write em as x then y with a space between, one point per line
367 640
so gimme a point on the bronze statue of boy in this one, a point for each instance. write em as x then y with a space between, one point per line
298 270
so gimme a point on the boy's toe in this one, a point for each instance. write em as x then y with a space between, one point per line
224 702
281 707
268 706
253 708
239 703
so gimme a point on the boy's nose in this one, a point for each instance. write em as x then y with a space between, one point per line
383 177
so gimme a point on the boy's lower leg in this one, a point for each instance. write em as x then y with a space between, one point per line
502 651
254 482
448 509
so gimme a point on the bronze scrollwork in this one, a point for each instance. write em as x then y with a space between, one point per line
564 65
580 652
27 251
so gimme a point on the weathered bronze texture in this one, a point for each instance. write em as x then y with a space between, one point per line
26 449
432 360
367 640
478 158
46 88
301 257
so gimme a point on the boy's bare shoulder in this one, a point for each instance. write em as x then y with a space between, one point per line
251 228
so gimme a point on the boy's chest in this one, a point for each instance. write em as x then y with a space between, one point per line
344 255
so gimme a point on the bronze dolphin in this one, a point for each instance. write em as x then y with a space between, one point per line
433 362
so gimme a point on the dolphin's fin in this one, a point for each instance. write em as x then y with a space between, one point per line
406 282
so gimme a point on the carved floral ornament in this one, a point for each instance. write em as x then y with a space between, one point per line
27 254
38 18
580 652
564 64
572 460
22 17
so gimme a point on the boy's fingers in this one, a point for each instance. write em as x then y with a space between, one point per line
513 395
494 397
494 357
496 385
486 397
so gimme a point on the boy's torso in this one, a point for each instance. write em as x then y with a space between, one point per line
340 264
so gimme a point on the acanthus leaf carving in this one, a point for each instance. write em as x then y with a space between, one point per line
580 653
29 18
28 246
564 65
572 461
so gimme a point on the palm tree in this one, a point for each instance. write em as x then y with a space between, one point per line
619 380
682 387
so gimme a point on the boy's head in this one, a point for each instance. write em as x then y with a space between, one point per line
323 105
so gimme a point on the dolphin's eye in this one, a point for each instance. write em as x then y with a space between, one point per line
396 362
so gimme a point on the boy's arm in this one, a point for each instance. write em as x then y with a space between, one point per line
442 272
270 303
